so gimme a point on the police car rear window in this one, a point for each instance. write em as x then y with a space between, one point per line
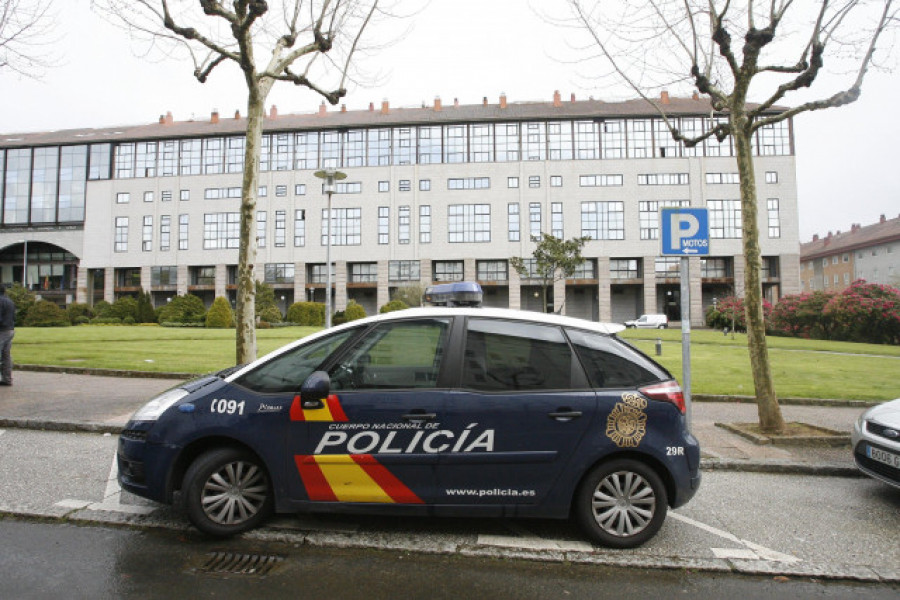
612 364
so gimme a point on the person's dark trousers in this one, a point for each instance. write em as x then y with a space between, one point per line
6 338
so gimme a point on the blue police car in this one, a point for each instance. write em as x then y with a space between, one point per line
432 411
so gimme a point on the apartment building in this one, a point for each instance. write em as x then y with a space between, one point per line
433 194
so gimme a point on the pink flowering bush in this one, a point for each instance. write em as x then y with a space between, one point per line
801 315
865 312
730 310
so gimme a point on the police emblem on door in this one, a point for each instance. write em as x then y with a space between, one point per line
627 423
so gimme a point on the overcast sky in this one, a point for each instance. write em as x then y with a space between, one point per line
465 49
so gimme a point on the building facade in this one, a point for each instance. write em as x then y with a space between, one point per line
432 194
833 262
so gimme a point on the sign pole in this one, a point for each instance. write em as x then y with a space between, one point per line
686 337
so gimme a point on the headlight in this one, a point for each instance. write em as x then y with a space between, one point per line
153 409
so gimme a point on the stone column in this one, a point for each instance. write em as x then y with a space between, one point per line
383 293
696 286
221 280
183 274
340 285
604 291
515 289
469 269
559 296
299 282
649 285
83 283
739 268
109 284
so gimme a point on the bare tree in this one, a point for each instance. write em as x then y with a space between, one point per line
732 52
26 29
303 42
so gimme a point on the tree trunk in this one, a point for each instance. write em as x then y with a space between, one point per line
770 419
245 313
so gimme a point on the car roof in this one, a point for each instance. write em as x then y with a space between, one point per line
443 311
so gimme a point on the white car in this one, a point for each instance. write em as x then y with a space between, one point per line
876 442
649 322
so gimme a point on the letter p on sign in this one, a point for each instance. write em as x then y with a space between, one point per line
685 231
684 226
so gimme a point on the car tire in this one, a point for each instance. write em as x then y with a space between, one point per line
227 491
621 503
663 327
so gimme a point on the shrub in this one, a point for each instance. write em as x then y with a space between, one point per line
729 312
270 314
410 294
128 321
865 312
106 321
266 307
183 309
307 313
123 308
23 299
800 315
220 315
354 311
393 305
76 312
339 318
46 314
102 308
144 312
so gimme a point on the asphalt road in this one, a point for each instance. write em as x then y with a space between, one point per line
739 522
41 560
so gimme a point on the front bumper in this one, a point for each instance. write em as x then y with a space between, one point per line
144 466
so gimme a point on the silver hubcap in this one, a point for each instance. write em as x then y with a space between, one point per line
623 504
234 493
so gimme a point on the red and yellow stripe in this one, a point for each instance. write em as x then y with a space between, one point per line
351 478
331 411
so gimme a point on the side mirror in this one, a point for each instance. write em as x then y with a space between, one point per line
315 390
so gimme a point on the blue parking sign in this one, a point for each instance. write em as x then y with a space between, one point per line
685 231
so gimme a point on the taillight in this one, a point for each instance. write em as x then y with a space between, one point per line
667 391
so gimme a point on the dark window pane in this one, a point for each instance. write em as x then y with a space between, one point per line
613 364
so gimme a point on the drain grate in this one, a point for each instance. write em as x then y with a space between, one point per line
231 563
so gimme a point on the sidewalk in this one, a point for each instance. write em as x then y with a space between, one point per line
48 400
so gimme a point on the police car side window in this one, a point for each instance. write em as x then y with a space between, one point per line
506 356
402 354
612 364
287 372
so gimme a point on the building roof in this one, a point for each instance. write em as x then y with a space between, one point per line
886 230
375 116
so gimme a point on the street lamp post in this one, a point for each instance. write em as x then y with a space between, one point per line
329 176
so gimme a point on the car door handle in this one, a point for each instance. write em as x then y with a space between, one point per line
312 404
564 414
419 416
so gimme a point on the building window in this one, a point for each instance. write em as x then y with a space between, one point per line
640 138
512 182
234 155
403 223
534 181
355 148
846 257
512 221
771 176
724 219
715 268
182 232
282 151
281 191
384 186
203 276
774 139
481 143
364 273
379 147
124 161
507 141
184 195
384 225
772 206
424 185
300 189
556 219
664 179
559 140
448 270
492 270
189 153
587 140
213 156
668 267
649 216
280 228
147 234
555 181
123 198
128 277
612 139
262 191
279 273
261 228
534 141
534 220
603 220
625 268
425 224
346 226
160 276
165 196
600 180
221 230
586 270
469 223
430 145
405 185
121 234
299 228
469 183
403 270
165 232
723 178
455 143
148 196
100 162
306 149
353 187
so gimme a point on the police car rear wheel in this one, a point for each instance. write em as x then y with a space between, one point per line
621 504
226 492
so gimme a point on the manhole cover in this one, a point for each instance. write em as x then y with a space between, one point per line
231 563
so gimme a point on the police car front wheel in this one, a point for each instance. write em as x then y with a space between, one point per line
621 503
226 491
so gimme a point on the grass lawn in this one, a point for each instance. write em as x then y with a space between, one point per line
803 368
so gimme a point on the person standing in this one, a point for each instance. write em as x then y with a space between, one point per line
7 331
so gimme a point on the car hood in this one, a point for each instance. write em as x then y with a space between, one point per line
886 414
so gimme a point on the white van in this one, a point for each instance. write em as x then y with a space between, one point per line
649 322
